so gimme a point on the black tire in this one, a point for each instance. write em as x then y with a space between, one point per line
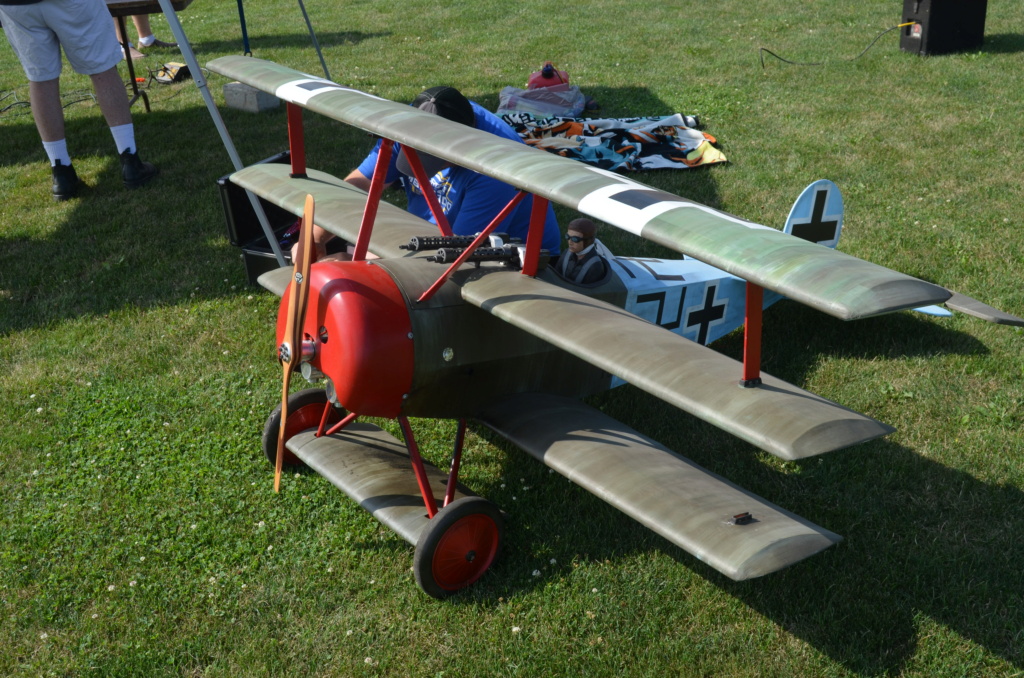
305 409
458 545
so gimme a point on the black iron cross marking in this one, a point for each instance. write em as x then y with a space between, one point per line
639 199
643 264
707 315
817 230
659 297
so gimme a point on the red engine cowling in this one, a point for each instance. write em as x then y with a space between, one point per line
358 321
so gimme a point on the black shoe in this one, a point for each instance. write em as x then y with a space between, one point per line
65 182
135 172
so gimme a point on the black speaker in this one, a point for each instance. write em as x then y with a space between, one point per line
943 26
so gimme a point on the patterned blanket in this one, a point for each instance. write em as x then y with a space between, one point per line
622 143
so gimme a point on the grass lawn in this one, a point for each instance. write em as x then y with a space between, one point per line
140 532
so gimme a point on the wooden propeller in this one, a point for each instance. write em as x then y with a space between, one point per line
290 350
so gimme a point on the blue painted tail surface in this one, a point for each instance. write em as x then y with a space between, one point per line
817 215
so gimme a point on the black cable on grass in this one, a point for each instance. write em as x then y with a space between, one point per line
78 101
82 94
762 50
14 105
17 102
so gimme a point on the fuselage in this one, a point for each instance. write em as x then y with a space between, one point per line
386 353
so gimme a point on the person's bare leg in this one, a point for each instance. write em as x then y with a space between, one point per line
46 109
145 30
112 97
114 104
134 53
142 25
49 117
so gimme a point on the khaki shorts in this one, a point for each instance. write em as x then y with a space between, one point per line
83 28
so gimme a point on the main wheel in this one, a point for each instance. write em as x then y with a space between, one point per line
457 546
305 408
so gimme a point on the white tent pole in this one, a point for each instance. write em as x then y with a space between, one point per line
229 146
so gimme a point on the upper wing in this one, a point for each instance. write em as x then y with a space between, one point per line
825 279
777 417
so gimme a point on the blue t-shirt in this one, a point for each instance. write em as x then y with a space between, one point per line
468 199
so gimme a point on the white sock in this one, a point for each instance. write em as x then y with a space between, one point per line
57 150
124 137
147 41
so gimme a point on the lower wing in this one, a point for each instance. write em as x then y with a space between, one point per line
693 508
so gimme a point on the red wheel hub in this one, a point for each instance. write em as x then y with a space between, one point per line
307 417
465 551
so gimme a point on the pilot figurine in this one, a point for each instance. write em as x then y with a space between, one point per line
582 263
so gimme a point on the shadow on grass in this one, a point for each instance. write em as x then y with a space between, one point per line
1003 43
298 38
921 538
791 330
163 243
922 541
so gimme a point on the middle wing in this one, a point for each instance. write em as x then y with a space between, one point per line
339 205
777 417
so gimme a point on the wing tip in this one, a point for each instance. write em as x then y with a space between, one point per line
835 435
783 553
900 294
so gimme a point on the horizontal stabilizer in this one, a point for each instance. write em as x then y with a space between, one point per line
688 505
965 304
339 205
372 467
817 276
777 417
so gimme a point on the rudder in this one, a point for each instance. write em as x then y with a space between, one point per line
817 215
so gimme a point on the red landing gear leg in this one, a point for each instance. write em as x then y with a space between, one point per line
417 467
462 540
453 472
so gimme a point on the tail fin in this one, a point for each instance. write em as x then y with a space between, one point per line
817 215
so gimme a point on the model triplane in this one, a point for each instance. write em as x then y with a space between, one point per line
478 328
